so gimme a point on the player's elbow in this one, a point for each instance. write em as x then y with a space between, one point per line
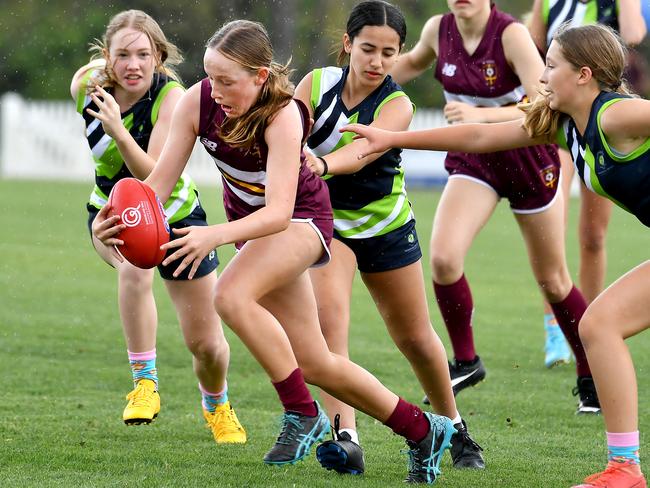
634 37
480 142
278 219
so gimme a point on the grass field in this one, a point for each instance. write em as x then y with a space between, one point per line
64 371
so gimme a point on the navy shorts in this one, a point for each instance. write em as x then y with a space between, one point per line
527 177
394 250
198 218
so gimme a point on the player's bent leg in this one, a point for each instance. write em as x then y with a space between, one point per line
595 213
464 208
544 237
239 300
618 313
204 338
401 300
139 322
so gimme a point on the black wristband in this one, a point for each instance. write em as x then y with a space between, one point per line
325 168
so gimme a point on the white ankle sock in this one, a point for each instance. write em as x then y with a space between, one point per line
352 433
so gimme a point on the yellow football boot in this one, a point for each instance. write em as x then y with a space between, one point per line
144 404
225 425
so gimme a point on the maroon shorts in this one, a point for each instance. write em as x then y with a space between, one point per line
527 177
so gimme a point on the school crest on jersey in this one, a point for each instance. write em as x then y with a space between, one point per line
549 176
489 69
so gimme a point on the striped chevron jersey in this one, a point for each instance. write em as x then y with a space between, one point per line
373 200
484 78
243 172
577 13
622 178
139 120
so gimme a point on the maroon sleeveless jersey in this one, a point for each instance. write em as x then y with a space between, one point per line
484 78
528 177
243 172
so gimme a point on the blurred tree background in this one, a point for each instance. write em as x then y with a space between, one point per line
43 42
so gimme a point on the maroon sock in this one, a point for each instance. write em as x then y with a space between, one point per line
295 396
456 307
408 421
568 313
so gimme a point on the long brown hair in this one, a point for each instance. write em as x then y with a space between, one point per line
248 44
595 46
166 54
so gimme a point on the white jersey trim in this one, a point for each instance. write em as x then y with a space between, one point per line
252 200
328 145
183 197
254 177
509 98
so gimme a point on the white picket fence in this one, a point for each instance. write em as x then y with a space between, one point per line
45 140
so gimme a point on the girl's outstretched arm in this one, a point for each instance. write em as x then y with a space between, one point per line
471 138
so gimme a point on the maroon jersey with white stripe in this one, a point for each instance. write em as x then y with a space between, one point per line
244 172
484 78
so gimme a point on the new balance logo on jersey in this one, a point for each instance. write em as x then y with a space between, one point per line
449 69
211 145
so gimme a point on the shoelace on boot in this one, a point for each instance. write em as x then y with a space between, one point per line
467 440
140 396
224 421
290 427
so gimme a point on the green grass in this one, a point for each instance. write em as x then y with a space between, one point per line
64 370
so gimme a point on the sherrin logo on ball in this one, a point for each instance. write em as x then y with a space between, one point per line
132 216
142 213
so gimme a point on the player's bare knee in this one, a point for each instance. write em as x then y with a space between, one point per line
334 328
445 267
416 347
204 350
593 243
310 372
554 286
134 280
228 303
588 328
318 371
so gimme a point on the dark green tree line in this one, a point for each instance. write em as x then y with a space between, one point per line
42 43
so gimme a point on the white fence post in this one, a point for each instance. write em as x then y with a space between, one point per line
45 140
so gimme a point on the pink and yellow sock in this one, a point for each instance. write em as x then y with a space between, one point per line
143 366
211 401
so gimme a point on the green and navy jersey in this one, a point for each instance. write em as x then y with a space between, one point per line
372 201
622 178
577 13
139 121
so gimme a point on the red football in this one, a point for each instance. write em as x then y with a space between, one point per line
146 225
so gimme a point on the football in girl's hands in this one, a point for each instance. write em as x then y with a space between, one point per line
143 215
